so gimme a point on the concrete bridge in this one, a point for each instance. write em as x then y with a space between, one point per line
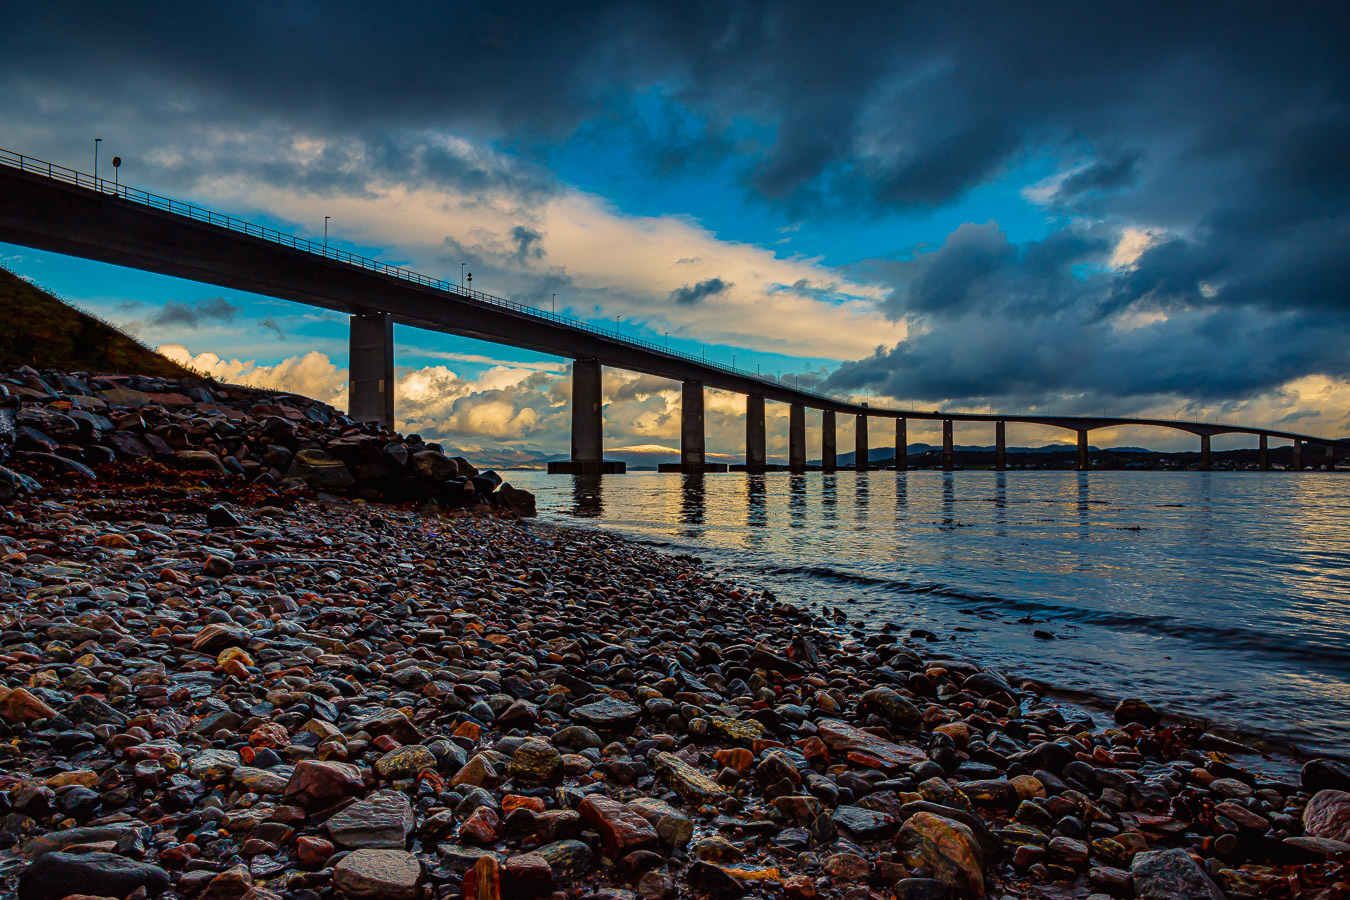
50 207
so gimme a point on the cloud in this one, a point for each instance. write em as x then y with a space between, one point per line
688 296
192 314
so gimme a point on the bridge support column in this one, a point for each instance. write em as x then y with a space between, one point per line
691 427
1331 457
861 452
1000 446
588 427
1206 461
829 452
948 450
756 452
1263 455
1082 464
901 444
797 438
1298 455
371 392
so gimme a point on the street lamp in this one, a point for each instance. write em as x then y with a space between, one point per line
325 231
117 183
616 325
555 304
97 141
461 274
469 277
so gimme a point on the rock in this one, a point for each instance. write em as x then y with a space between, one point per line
842 737
1327 815
312 851
690 783
231 884
569 860
20 706
382 821
87 709
526 876
892 707
865 824
1171 875
214 765
405 762
434 465
13 484
946 848
608 716
320 471
214 638
921 889
673 827
621 830
1323 774
1133 709
713 881
317 783
55 876
378 875
484 880
220 516
520 502
198 461
741 731
536 762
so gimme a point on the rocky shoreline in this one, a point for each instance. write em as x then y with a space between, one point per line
225 682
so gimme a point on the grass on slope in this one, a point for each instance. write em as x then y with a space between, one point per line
39 330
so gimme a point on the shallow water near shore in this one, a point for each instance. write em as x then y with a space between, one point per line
1221 596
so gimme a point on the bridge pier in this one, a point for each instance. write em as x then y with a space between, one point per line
588 427
797 438
861 462
371 392
691 427
1298 455
1082 464
948 450
829 451
1000 446
1206 461
756 446
1263 455
901 444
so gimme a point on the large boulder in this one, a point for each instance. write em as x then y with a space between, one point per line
54 876
320 471
519 501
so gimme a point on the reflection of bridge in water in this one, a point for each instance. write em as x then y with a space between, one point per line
49 207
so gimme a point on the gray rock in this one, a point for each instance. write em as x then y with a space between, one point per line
382 821
1171 875
54 876
378 875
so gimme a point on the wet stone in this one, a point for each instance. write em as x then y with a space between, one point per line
54 876
382 821
608 715
378 875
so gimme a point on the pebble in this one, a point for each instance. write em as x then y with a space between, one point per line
222 683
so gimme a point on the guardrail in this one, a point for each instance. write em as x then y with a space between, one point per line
191 211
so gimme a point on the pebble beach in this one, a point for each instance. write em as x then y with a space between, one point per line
285 655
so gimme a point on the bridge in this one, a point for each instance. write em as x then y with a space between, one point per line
54 208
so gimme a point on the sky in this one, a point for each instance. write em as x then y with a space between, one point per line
1133 209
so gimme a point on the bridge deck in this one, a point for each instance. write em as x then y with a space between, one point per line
51 208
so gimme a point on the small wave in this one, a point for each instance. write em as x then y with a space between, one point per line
1221 637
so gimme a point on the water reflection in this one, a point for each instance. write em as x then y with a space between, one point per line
586 499
829 499
693 502
756 508
1001 504
797 500
901 491
948 500
862 496
1084 501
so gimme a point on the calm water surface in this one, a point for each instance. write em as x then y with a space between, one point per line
1225 596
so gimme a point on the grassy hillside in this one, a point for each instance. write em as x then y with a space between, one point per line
37 329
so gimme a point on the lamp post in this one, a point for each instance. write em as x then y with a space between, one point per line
97 141
616 325
325 231
117 181
555 304
461 274
469 277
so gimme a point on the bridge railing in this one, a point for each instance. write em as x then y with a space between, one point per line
191 211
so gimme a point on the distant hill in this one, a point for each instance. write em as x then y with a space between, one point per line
39 330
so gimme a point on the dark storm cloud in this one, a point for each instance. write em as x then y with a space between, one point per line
529 243
195 313
689 295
